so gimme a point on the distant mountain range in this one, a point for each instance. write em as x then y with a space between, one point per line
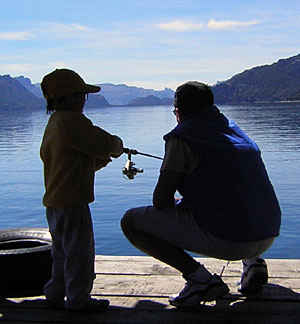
13 93
122 94
279 81
14 96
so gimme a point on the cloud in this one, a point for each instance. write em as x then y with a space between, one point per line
18 68
66 28
227 24
181 26
58 30
184 26
15 36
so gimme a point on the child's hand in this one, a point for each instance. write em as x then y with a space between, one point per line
100 163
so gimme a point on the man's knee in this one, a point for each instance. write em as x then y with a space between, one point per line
127 223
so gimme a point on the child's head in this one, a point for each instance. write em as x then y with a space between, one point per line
64 89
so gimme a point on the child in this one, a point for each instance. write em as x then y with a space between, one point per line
72 150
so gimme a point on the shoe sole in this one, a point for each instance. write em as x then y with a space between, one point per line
193 300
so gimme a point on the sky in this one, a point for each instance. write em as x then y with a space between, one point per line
146 43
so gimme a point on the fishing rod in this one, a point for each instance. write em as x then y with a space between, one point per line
129 168
135 152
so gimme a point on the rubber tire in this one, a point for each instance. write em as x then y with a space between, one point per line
25 261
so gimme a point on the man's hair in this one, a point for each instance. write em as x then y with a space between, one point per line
191 96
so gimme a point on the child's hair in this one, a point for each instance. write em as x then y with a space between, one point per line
50 106
54 104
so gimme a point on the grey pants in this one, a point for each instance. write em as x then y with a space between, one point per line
73 255
178 227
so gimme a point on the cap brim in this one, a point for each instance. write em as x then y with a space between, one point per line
89 88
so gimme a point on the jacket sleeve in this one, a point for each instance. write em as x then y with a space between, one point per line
163 195
92 140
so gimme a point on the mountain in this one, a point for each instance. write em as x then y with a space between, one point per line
96 101
151 101
279 81
121 94
14 96
33 88
110 95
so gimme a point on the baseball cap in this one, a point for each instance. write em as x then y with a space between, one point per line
62 82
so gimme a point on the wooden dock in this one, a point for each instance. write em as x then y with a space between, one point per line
138 290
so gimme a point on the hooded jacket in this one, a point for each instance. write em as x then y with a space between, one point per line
229 192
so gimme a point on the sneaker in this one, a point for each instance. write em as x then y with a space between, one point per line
94 305
254 276
194 292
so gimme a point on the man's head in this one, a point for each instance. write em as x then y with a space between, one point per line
192 96
64 89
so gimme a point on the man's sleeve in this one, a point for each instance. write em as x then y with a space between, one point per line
178 161
179 157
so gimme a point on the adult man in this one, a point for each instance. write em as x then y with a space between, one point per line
228 208
72 150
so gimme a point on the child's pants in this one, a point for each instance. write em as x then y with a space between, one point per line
73 254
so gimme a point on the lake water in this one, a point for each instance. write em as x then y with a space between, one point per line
275 128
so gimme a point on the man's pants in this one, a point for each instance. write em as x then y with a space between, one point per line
177 230
73 255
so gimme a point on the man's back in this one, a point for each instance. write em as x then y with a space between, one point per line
230 185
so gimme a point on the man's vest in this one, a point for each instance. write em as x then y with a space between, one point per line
230 192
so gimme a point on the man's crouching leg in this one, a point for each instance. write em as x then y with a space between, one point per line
155 246
200 284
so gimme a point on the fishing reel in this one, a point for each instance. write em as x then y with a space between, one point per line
129 170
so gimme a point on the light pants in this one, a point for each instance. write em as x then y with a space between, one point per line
73 254
166 233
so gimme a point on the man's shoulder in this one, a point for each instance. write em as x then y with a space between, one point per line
179 157
177 144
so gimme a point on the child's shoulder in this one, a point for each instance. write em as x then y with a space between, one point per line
72 117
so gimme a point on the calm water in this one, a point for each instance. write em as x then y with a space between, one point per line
275 128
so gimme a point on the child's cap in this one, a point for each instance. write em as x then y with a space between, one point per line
62 82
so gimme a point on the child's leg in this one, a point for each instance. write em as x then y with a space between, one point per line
78 245
55 288
73 256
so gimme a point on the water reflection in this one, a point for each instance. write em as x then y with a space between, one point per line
278 120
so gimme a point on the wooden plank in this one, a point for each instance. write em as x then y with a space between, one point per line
161 286
147 265
138 289
141 285
155 311
276 268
